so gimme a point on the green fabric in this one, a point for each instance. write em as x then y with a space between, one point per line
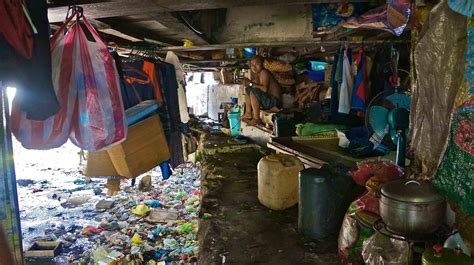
308 129
455 176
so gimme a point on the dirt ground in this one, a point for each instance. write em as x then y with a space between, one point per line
242 231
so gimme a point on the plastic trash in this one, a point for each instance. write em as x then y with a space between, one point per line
91 230
140 210
170 243
136 239
185 228
79 182
155 204
456 242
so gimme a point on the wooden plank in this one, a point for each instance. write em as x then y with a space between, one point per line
304 159
115 8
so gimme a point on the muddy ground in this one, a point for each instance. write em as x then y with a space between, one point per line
241 230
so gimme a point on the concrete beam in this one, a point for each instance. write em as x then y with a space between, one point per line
173 23
117 8
313 44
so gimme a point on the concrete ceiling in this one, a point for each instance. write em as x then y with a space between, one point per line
159 20
167 23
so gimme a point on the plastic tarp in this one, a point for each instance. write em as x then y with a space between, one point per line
439 62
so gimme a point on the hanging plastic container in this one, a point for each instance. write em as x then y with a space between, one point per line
278 181
443 256
324 197
234 123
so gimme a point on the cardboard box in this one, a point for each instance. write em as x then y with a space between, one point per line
227 77
99 164
144 149
44 249
327 73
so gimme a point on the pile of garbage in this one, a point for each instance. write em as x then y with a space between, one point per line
150 225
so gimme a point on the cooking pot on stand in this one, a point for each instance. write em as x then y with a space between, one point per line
411 207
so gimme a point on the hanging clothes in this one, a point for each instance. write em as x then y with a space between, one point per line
15 28
32 77
169 112
176 148
130 97
335 82
183 105
347 85
173 59
149 68
359 95
138 86
150 79
169 87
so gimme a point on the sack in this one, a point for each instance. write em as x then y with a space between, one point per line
99 118
54 131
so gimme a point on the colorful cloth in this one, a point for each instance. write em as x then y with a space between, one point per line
15 27
347 85
360 93
392 17
33 76
454 178
150 69
469 58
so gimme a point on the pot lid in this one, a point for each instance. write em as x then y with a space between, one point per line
409 190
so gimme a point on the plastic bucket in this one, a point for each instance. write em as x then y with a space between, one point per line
316 75
318 66
234 123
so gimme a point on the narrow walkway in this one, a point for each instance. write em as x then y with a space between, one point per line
240 230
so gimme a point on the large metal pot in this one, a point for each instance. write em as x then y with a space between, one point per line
410 207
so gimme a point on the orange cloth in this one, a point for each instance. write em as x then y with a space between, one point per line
149 69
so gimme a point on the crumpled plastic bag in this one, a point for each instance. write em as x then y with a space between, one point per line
140 210
351 238
441 46
382 250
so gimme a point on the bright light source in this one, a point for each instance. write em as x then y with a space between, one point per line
11 91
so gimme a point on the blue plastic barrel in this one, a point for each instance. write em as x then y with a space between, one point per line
234 123
324 197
